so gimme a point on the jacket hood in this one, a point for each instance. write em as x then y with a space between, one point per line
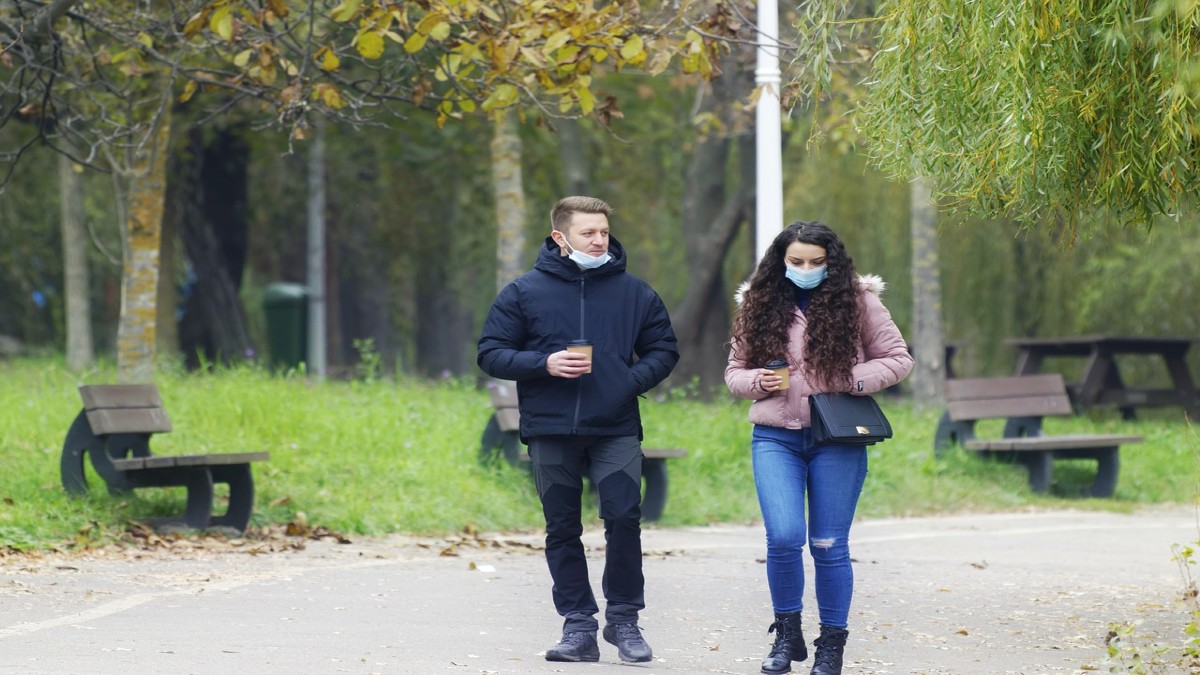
872 283
551 260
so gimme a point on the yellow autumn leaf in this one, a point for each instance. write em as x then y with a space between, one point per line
660 62
633 48
429 23
345 11
189 88
597 54
557 40
222 22
467 105
329 61
370 45
501 97
242 58
441 31
587 101
145 40
195 24
414 43
329 95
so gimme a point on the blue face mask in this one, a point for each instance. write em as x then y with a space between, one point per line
807 278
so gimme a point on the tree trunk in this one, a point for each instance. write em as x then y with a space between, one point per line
77 280
927 342
208 205
136 329
712 213
444 325
576 170
510 200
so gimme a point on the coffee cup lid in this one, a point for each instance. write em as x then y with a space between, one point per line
776 364
579 343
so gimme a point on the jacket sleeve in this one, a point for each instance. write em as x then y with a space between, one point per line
887 360
500 352
656 347
741 380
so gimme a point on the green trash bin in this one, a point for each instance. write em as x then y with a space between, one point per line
286 307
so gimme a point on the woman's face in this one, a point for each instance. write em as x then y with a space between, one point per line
804 256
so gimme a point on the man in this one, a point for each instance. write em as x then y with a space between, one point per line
580 413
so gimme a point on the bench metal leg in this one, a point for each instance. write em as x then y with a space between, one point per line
654 473
80 440
199 498
1041 469
241 495
1108 466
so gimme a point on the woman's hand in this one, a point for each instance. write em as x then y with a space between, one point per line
768 381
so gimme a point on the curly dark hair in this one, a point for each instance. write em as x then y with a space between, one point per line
760 326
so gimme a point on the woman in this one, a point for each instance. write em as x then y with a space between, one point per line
805 304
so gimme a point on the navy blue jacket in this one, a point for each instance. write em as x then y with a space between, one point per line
633 345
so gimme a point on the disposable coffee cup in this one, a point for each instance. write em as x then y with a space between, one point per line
780 366
581 347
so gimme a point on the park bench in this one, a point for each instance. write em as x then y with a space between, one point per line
502 434
1024 401
114 431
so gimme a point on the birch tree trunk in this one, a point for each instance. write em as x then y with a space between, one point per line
76 279
136 329
510 199
928 344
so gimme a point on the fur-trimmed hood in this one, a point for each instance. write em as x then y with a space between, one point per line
868 282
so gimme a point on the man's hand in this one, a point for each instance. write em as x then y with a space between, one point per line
568 364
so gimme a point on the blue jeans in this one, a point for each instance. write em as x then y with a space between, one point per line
788 468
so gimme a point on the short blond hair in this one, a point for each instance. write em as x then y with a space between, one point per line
560 215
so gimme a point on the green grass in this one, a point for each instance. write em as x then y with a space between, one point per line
376 457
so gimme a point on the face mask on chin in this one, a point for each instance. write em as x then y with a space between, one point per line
584 260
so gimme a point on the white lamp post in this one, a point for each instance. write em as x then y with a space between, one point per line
768 217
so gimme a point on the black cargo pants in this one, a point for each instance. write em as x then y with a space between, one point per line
614 465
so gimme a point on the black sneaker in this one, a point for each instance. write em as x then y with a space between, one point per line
627 637
575 646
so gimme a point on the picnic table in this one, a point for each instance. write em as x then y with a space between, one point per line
1101 383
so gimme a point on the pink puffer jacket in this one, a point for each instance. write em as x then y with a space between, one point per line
883 360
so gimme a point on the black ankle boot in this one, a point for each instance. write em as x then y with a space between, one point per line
789 644
830 646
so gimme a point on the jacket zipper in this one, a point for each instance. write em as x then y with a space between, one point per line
582 335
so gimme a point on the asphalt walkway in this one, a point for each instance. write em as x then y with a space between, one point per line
1010 593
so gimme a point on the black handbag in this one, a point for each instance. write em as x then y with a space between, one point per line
842 419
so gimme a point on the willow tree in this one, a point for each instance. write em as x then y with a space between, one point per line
1043 112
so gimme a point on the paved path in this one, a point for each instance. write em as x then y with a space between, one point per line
990 594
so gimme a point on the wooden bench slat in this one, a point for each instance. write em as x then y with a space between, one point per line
120 396
1038 405
128 421
168 461
1043 443
1003 387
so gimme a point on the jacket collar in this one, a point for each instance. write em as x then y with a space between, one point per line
551 261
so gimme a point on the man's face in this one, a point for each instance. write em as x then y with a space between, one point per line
588 232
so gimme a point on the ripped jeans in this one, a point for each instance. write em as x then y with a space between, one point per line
788 468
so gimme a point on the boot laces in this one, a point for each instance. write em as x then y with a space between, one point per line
628 632
828 656
574 638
